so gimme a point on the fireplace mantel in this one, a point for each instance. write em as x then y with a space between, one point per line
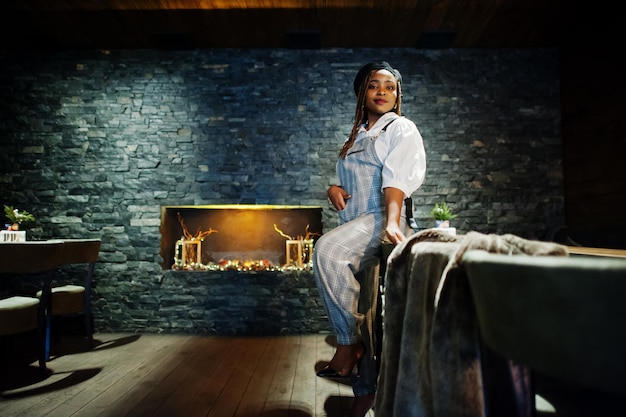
244 232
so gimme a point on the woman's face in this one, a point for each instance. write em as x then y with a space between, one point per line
382 93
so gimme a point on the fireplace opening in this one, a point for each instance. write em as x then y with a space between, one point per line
236 234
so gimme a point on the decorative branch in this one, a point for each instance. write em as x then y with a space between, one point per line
200 235
280 232
308 235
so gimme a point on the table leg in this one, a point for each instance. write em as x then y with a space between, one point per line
44 317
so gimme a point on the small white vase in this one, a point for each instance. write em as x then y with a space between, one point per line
442 223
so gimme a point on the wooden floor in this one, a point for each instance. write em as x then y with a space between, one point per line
178 376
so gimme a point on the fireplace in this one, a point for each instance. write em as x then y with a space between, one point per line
257 233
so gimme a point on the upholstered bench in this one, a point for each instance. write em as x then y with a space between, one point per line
34 257
67 299
18 314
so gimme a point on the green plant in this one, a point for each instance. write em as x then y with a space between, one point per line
16 216
441 211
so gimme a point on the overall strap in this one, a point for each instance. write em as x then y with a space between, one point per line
385 127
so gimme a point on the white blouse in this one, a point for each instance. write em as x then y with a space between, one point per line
401 150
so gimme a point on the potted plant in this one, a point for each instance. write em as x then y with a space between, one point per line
442 215
17 217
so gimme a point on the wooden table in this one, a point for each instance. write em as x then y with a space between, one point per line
44 257
579 250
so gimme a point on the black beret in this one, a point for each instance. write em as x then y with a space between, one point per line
374 66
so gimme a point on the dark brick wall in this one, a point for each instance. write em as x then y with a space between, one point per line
95 142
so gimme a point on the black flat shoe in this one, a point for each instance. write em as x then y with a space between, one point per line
328 372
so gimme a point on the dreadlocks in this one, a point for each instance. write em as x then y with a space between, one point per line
361 82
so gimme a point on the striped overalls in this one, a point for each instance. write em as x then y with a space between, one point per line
346 258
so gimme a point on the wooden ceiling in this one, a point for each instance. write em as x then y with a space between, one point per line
185 24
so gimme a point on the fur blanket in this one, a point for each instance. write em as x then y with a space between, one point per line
432 364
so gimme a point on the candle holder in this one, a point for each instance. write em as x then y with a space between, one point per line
299 252
12 236
188 252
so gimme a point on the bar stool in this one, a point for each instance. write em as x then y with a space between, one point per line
66 300
74 299
384 253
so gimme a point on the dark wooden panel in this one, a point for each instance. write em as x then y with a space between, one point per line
254 24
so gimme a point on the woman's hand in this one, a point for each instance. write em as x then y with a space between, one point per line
337 197
394 233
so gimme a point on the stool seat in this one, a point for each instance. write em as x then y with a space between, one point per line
67 299
18 314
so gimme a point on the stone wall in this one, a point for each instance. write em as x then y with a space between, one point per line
95 142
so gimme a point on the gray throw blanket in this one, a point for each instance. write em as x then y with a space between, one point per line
431 364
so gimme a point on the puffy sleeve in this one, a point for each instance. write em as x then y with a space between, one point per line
401 149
